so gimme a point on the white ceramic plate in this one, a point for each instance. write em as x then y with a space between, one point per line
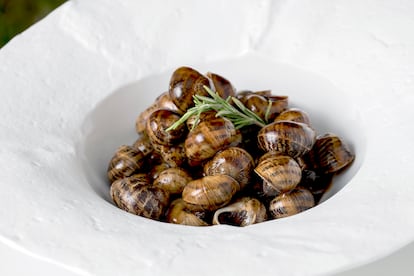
54 200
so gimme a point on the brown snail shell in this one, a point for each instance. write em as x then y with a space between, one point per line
126 161
235 162
222 86
138 199
294 115
164 101
172 180
281 172
208 137
157 169
205 116
158 123
186 82
259 104
292 203
174 155
330 154
245 211
290 138
178 214
210 192
143 144
141 121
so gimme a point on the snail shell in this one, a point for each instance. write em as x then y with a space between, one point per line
294 115
330 154
164 101
172 180
174 155
210 192
157 169
259 104
186 82
290 138
178 214
292 203
157 125
208 137
143 144
235 162
245 211
125 162
138 199
281 172
205 116
141 121
222 86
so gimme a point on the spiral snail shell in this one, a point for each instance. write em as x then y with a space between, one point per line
186 82
294 115
292 203
178 214
208 137
281 172
245 211
290 138
139 199
235 162
173 180
210 192
158 123
126 161
330 154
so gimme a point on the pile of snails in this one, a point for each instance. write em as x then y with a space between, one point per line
207 171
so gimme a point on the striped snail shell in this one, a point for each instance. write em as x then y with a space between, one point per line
172 180
178 214
210 192
208 137
243 212
139 199
186 82
290 138
158 123
330 154
126 161
294 115
281 172
235 162
288 204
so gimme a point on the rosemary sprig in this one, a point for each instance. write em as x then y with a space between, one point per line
240 117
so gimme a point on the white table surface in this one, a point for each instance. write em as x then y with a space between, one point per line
370 41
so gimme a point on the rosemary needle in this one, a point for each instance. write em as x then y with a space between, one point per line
240 116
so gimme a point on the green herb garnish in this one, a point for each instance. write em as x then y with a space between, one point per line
240 117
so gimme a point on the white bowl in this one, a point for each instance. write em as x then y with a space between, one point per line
167 247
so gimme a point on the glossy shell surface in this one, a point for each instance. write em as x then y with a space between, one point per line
235 162
290 138
281 172
210 192
186 82
245 211
292 203
126 161
138 199
208 137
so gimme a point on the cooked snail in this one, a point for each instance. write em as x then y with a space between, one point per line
139 199
245 211
292 203
210 192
